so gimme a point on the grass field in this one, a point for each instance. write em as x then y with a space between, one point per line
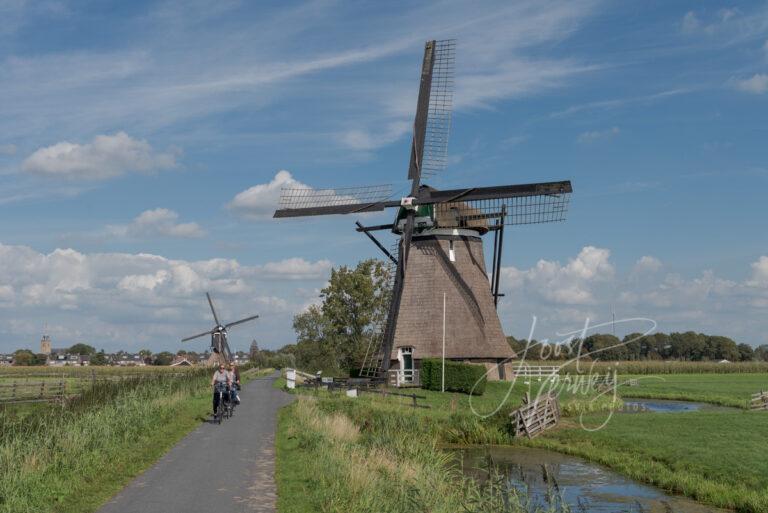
716 457
654 367
725 389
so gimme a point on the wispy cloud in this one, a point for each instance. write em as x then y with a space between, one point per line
756 84
620 102
598 135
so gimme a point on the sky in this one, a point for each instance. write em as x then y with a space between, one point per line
143 146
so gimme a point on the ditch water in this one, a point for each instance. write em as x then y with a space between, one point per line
583 486
668 406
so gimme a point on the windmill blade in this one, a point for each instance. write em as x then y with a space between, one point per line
422 114
305 201
213 310
512 205
435 157
241 321
197 336
225 351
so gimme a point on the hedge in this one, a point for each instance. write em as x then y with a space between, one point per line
459 377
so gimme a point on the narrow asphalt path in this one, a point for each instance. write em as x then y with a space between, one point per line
228 467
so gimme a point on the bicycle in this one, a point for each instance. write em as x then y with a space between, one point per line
221 390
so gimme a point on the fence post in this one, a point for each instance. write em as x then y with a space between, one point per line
42 389
13 391
413 396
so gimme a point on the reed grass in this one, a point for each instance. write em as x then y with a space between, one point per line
339 455
66 458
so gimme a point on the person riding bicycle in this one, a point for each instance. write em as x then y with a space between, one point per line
221 379
235 378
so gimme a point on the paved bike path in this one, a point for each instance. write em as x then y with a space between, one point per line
227 467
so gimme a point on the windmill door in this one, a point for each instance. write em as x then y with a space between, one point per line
406 365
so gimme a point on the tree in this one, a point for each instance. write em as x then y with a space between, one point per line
761 353
163 358
335 335
81 349
25 358
100 358
746 353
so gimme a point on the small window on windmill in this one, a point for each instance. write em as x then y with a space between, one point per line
451 252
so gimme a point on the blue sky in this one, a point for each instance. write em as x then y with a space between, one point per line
138 141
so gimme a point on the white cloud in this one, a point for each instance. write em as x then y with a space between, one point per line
7 149
690 22
120 299
296 269
158 222
104 157
597 135
647 264
261 201
760 272
757 84
588 286
570 284
360 139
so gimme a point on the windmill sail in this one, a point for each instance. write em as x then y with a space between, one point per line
435 157
305 201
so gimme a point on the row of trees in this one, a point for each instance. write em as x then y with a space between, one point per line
687 346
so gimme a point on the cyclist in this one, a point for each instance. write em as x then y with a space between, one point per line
235 378
221 378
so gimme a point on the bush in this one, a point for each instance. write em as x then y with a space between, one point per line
459 377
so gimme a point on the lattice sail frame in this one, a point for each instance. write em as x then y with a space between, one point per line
306 197
532 209
435 158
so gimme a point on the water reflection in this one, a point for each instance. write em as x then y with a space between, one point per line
582 485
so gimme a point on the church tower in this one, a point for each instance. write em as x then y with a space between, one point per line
45 345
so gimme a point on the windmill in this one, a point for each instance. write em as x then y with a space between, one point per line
440 248
218 334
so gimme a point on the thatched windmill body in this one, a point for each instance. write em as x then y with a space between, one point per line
440 248
219 343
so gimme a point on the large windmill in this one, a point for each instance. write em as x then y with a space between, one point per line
219 343
440 248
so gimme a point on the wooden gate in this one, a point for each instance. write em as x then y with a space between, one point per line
536 416
759 401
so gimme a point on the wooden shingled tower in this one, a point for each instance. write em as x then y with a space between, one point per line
440 247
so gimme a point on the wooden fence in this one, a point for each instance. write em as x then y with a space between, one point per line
534 417
59 387
535 371
759 401
35 391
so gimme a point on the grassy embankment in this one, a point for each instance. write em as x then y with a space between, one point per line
715 457
720 458
74 458
376 453
339 455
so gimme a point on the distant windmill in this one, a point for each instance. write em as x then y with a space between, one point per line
445 229
218 334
